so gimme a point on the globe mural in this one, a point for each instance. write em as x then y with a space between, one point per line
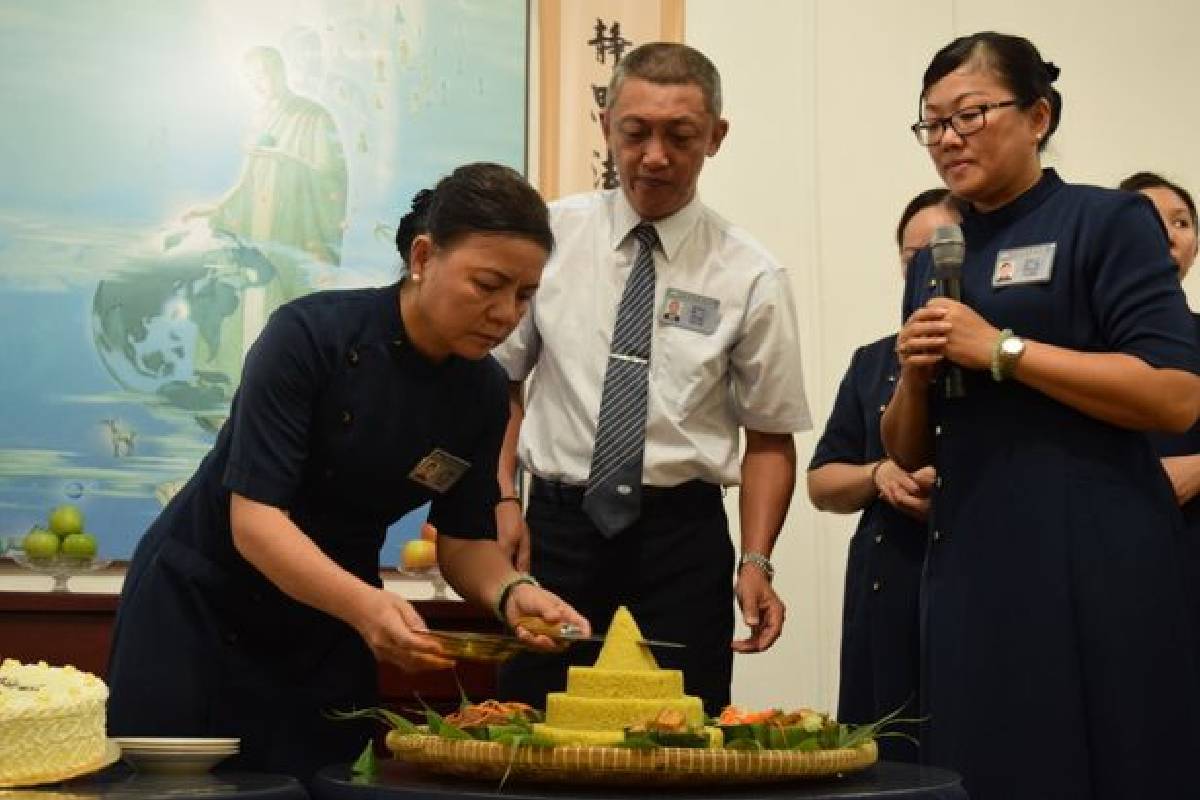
176 325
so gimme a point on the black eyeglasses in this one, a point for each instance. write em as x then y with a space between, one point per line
965 121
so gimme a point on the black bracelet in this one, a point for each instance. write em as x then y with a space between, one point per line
505 590
506 498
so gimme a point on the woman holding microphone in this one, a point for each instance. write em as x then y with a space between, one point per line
1058 659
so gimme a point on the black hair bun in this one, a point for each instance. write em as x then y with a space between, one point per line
1052 71
414 223
420 201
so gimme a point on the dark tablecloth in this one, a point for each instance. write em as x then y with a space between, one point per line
399 781
121 783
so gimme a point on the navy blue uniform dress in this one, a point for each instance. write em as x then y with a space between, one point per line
879 659
1058 661
1187 444
334 411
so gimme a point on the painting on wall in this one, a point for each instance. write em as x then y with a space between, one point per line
580 43
173 172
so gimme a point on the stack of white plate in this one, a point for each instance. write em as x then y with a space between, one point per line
175 756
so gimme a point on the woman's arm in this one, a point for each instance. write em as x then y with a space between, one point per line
842 488
267 538
479 570
845 488
1116 388
1184 474
905 424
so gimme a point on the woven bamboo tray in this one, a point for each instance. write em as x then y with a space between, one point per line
615 766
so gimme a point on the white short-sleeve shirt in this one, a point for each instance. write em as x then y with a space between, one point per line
707 379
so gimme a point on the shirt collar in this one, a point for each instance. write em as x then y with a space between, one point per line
672 230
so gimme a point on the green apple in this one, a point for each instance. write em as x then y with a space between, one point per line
66 519
79 545
40 543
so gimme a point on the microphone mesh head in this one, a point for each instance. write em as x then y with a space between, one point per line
949 250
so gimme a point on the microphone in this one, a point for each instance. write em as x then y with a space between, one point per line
949 250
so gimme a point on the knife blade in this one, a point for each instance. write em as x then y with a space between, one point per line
570 633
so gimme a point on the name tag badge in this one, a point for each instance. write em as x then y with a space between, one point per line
694 312
1024 265
439 470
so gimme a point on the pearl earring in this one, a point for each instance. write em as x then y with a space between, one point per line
416 276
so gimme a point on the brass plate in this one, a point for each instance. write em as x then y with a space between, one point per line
478 646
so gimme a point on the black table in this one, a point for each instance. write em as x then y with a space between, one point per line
119 782
400 781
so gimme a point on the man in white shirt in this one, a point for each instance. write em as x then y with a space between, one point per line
721 355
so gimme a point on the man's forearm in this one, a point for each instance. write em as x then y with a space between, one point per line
768 480
507 470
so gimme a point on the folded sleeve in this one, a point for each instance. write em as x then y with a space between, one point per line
272 413
1136 298
844 439
767 377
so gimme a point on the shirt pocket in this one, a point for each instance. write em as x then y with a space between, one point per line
687 367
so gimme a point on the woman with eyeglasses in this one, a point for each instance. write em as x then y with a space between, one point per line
1058 657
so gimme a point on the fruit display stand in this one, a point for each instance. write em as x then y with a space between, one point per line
60 568
432 577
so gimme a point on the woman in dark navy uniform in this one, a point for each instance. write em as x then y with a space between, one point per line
253 605
850 472
1180 453
1057 657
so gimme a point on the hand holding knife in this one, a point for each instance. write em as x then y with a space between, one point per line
567 633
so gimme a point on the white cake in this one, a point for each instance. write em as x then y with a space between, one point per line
51 722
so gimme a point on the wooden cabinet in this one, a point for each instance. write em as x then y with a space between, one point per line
62 628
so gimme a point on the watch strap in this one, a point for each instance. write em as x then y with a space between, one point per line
760 562
999 370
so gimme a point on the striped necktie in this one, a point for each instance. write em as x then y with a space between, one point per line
613 497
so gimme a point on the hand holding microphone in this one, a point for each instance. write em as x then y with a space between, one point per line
949 249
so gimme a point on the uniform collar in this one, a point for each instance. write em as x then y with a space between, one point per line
1033 197
672 230
400 347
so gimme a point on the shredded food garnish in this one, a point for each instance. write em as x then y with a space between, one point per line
489 712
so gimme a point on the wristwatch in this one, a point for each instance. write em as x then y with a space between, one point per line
759 561
1005 354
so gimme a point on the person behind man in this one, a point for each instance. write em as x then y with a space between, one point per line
1179 453
633 416
850 472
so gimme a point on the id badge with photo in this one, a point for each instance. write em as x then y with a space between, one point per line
1024 265
693 312
439 470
